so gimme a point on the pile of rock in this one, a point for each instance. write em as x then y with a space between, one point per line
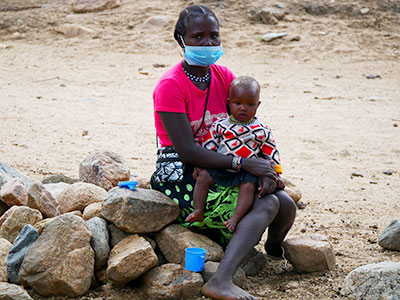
61 238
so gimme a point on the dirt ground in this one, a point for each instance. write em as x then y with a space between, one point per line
336 127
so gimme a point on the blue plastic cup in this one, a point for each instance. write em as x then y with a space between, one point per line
195 259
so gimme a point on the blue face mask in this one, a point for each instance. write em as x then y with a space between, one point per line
202 55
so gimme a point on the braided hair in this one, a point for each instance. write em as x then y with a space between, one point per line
189 12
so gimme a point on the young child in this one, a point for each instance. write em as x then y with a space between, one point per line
242 136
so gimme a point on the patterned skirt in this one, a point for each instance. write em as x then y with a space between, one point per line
220 206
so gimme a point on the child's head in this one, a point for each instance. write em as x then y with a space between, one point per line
244 94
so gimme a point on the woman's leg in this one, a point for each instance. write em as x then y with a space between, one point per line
280 226
248 232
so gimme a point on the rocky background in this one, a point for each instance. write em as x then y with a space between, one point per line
73 84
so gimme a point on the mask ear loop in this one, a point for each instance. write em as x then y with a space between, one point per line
182 51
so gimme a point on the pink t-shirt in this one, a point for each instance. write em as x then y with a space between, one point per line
176 93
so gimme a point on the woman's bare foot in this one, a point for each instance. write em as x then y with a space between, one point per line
231 223
224 290
195 216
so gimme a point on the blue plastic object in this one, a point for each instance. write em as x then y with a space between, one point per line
128 184
195 259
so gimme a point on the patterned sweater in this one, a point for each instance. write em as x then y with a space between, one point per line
243 139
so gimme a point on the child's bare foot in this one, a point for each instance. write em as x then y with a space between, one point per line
231 224
195 216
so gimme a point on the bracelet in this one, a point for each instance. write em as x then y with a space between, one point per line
236 163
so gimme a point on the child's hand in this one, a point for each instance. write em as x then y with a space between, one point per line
280 185
196 173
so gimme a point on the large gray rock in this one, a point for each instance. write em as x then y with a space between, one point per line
104 169
7 173
83 6
174 239
116 234
99 242
139 211
129 259
39 198
14 192
5 247
61 261
23 242
171 281
310 253
9 291
253 262
390 236
79 195
211 267
12 222
373 281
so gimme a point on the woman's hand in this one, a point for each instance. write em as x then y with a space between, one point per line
267 184
259 167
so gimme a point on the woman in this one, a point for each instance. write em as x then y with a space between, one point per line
187 100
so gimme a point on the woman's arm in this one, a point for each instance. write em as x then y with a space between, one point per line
180 133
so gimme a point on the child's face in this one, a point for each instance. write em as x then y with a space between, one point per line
243 102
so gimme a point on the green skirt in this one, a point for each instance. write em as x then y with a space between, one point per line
220 206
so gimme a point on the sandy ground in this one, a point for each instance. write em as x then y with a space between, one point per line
329 119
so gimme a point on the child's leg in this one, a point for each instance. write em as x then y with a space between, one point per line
200 192
244 202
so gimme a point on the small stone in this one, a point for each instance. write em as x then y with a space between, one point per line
73 30
83 6
395 125
156 20
272 36
364 10
390 236
56 189
373 76
388 172
39 198
116 234
355 174
85 132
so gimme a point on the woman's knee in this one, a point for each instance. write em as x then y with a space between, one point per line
269 204
287 205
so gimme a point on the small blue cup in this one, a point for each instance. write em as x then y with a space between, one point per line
194 259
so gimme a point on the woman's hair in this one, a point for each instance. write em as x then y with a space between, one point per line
189 12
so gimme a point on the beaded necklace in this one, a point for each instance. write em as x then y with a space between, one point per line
232 120
203 79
